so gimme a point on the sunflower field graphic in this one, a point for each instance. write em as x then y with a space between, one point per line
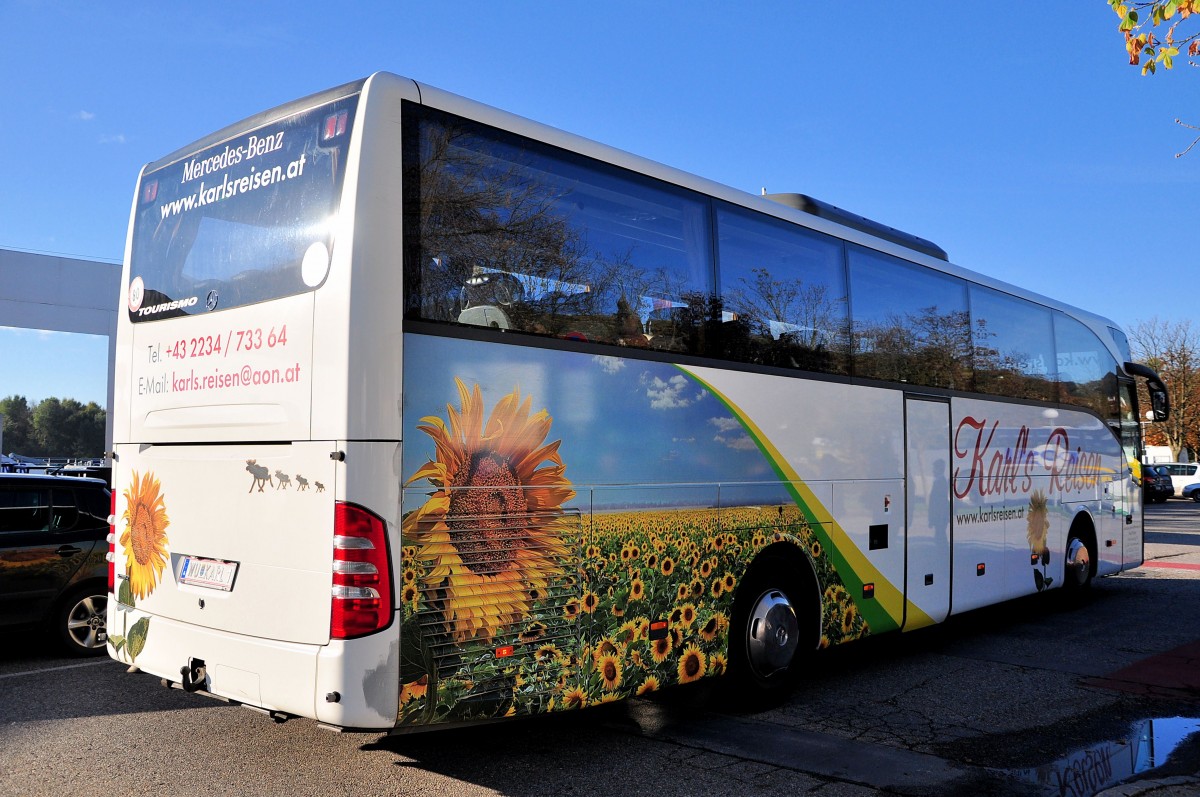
517 600
145 545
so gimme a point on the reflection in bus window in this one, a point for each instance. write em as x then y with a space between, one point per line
525 237
241 234
1087 373
787 285
910 323
1014 345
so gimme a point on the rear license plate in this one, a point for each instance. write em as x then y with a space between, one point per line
211 573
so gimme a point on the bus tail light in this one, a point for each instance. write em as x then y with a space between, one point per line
112 542
362 574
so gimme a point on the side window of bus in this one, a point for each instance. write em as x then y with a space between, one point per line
518 235
910 323
1087 373
785 287
1014 345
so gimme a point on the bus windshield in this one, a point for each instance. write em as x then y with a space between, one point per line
242 221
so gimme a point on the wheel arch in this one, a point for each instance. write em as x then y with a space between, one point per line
1083 526
792 562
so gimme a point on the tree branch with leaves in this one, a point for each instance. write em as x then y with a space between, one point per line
1142 22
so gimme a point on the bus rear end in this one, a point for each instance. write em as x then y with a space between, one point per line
246 563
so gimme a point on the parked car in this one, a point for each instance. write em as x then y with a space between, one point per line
1156 483
53 570
1192 491
1182 474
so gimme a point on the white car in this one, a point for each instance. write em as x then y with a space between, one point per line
1183 474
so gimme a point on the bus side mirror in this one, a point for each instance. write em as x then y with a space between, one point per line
1160 402
1160 405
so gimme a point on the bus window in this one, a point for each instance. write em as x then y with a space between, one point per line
519 235
910 322
1086 370
787 285
243 221
1014 345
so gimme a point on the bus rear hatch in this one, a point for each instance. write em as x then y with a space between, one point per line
235 538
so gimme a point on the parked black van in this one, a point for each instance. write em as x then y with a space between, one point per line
53 570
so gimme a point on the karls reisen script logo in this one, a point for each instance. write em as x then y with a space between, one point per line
986 469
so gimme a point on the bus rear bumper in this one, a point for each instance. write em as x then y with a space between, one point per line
281 679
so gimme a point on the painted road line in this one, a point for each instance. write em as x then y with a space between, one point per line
1172 565
1175 673
56 669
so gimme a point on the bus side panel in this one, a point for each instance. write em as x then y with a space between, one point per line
576 527
1020 476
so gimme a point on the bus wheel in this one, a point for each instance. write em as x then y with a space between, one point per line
771 626
1078 569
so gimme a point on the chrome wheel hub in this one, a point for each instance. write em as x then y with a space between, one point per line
773 634
1078 564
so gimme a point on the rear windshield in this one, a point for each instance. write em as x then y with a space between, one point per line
243 221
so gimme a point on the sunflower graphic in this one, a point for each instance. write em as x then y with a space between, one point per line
609 667
1037 531
492 530
1036 523
692 665
145 535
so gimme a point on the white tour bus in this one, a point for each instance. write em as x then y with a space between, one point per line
427 413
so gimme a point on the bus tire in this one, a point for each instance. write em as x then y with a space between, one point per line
776 623
1079 563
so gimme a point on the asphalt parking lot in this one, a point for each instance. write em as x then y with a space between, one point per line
1039 696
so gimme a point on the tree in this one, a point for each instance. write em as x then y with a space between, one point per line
53 427
1141 23
1172 349
18 424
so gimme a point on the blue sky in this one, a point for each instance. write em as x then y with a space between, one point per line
1022 144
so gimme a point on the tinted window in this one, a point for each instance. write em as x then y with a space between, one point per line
24 509
1086 371
1014 345
64 514
245 220
93 507
1122 344
910 323
786 287
517 235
